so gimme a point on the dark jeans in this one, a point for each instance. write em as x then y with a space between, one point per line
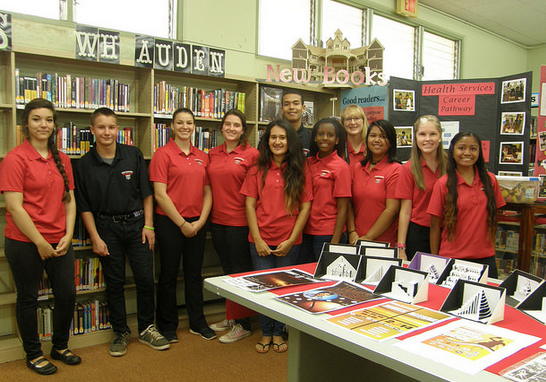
28 268
173 247
231 245
417 240
124 238
271 327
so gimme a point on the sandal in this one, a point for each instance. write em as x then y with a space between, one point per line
264 347
277 347
46 369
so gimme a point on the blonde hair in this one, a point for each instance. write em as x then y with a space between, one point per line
416 155
355 111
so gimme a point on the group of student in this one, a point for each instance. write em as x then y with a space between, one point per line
273 206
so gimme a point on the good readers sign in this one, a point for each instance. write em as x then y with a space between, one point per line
457 99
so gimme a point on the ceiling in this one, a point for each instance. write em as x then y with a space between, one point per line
522 21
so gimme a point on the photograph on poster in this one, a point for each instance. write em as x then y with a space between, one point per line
511 153
404 136
542 187
404 100
510 173
542 140
449 130
543 100
512 123
513 90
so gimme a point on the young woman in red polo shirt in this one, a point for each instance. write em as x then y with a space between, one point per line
278 200
38 188
331 189
356 125
415 184
229 164
374 211
178 171
464 205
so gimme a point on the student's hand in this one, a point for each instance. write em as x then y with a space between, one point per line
353 237
63 245
402 254
197 225
283 248
45 250
149 236
100 247
262 248
188 229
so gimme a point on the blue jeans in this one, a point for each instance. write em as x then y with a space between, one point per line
311 247
124 239
28 268
271 327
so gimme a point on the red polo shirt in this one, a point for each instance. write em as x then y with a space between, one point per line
331 178
184 175
471 239
371 189
407 189
274 222
24 170
354 156
227 173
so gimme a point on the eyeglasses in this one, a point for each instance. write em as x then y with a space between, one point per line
352 119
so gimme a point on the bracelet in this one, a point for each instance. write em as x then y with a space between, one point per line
182 225
354 230
150 228
400 245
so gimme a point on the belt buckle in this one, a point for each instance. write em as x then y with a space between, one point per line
117 219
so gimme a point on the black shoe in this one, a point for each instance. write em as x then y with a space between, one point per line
47 369
67 357
206 333
171 337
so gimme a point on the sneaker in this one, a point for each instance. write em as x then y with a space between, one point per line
237 333
205 333
172 338
118 346
222 326
153 338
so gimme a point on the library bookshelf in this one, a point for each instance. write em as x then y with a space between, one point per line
140 112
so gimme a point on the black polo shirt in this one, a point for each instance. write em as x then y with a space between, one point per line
112 189
305 138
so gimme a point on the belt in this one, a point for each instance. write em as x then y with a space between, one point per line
122 218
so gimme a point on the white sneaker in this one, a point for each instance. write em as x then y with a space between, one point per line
222 326
236 333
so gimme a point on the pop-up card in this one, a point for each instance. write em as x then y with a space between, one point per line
372 269
406 285
371 243
337 266
432 264
340 248
391 253
464 270
519 285
534 305
477 302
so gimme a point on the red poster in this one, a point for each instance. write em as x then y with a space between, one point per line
374 113
456 105
485 148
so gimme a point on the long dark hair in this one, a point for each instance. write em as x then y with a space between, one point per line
244 139
340 147
40 103
450 209
294 172
390 133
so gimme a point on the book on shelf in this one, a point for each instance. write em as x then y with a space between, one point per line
270 103
72 92
204 139
162 134
203 103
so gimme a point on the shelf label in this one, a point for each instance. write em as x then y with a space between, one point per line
93 44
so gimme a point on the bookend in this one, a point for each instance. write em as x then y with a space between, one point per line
434 265
476 302
406 285
519 285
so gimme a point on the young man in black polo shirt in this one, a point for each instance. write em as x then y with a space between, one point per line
292 110
114 197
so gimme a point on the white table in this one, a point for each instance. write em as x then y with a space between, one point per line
320 351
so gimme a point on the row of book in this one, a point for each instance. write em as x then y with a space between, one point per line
203 103
204 139
89 316
80 238
507 240
538 267
88 275
540 244
74 140
72 92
